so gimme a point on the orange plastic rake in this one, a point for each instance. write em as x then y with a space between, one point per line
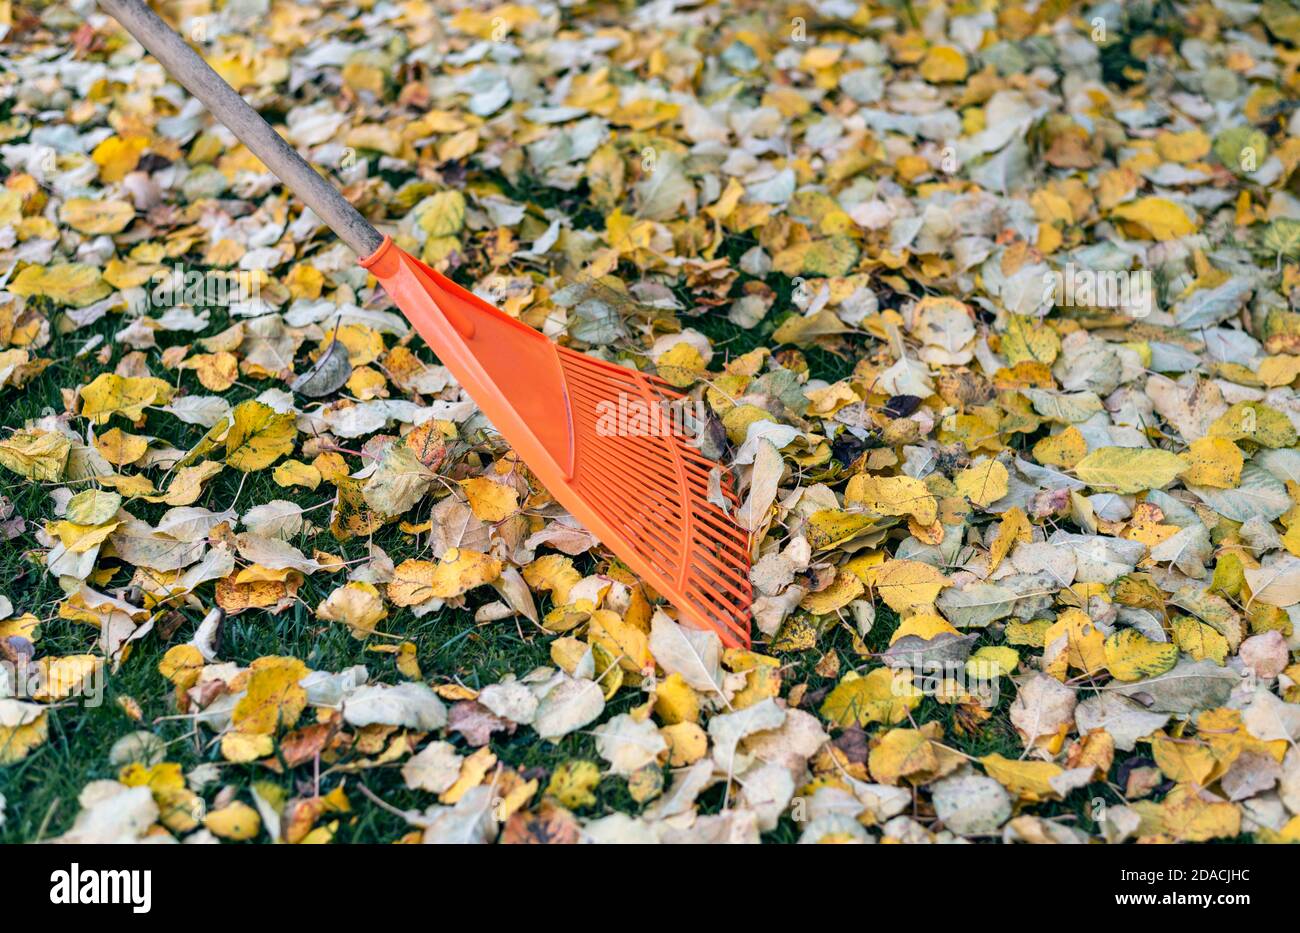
644 493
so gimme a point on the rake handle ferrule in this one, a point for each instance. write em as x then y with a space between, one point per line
224 103
384 263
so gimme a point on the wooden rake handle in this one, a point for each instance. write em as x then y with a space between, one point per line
185 65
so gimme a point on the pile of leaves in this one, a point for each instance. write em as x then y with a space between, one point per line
992 309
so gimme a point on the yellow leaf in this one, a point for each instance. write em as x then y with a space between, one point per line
553 573
1200 640
676 701
166 775
572 783
216 371
819 57
81 538
902 753
1013 528
177 808
1213 461
943 64
296 473
827 400
826 257
366 383
472 772
1186 761
629 644
36 455
187 483
906 585
992 662
883 695
25 626
687 743
738 418
242 748
120 448
1278 370
364 344
1130 655
924 625
357 605
644 113
443 214
87 215
182 665
828 528
110 394
1027 339
1029 780
236 821
130 486
66 676
1129 469
117 157
892 495
257 587
259 436
845 588
1156 218
680 365
974 430
93 507
1073 641
458 146
1289 833
459 571
984 483
305 281
1063 449
407 662
1188 818
1255 421
23 727
490 501
1183 147
274 700
72 284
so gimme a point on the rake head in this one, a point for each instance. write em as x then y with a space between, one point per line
596 436
651 492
